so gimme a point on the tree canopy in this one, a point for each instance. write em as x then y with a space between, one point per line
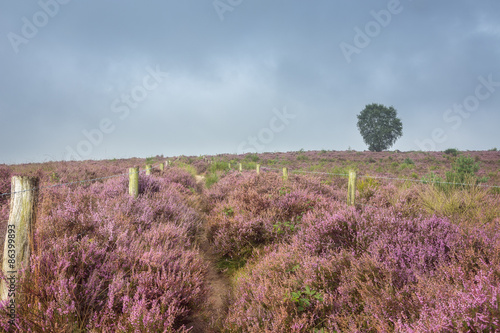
379 126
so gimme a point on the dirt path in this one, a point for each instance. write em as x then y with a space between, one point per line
209 320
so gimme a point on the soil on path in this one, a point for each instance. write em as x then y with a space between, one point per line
209 319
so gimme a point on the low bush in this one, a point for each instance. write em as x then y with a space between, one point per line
347 270
252 157
462 175
408 161
211 179
452 151
367 187
104 261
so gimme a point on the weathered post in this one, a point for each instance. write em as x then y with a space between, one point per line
351 188
285 173
257 168
133 182
229 166
148 169
240 167
18 238
162 167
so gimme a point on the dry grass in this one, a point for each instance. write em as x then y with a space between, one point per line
471 205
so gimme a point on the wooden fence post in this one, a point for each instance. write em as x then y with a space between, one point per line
351 188
162 167
229 165
240 167
285 173
148 169
257 168
133 182
19 237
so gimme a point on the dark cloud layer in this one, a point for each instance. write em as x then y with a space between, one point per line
83 84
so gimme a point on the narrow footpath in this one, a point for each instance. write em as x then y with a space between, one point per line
209 320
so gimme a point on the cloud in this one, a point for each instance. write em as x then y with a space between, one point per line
226 77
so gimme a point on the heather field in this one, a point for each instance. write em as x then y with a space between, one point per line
206 248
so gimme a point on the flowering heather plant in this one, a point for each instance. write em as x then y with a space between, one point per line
237 238
236 183
406 246
325 231
5 187
5 175
181 177
261 209
412 247
104 261
290 291
62 172
267 297
404 200
366 266
302 260
201 165
455 301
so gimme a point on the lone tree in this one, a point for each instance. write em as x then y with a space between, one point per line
379 126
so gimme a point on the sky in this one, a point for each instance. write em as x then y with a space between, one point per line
101 79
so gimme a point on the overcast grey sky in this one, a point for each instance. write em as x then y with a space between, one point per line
111 79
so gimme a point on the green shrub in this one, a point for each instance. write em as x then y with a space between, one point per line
367 187
406 166
431 178
408 161
211 179
463 167
54 177
495 190
339 171
249 166
219 166
303 298
252 157
188 167
302 157
452 151
462 174
317 167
